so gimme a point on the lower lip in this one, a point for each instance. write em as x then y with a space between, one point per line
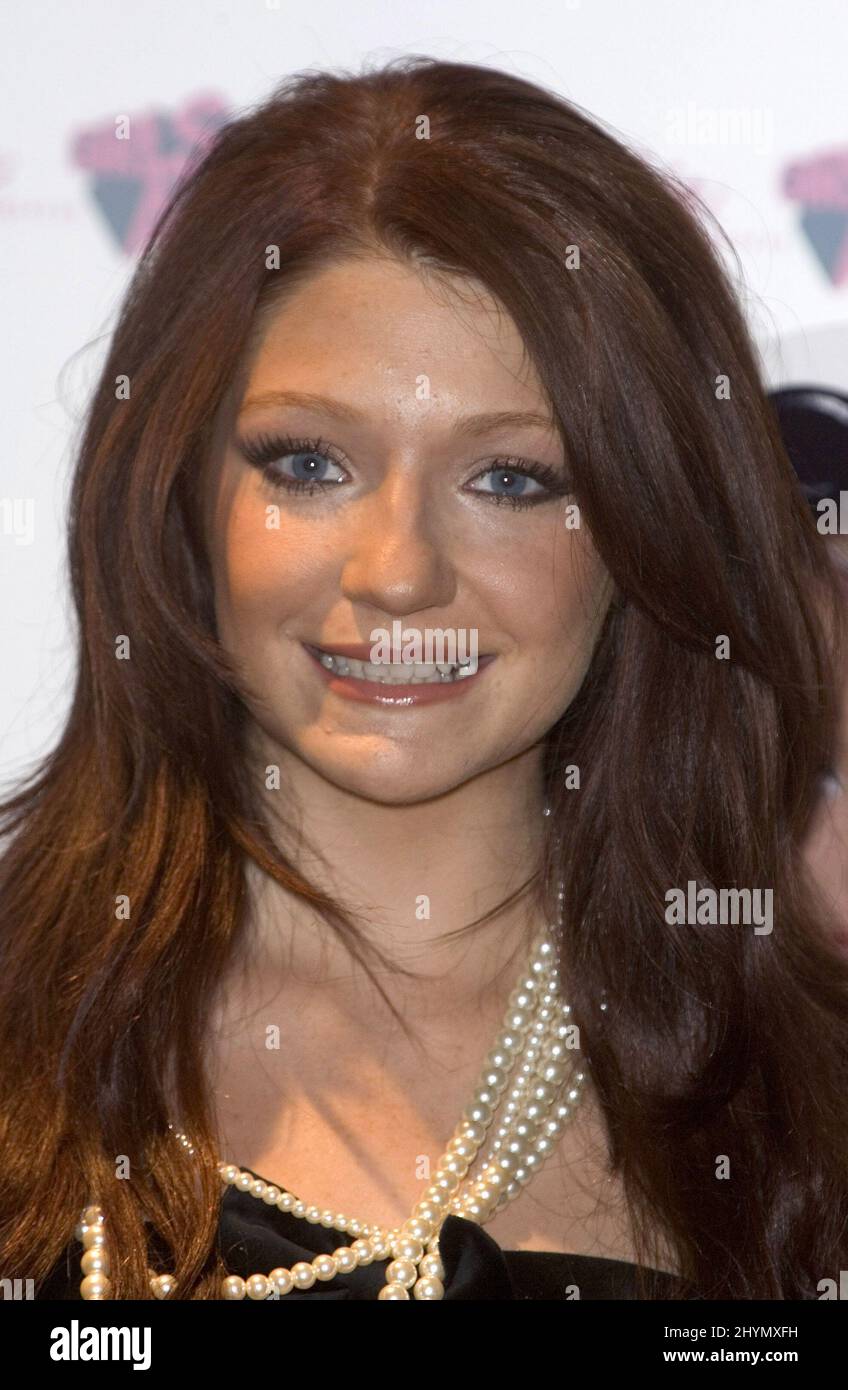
401 696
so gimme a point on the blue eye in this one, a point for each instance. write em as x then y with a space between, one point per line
510 477
311 457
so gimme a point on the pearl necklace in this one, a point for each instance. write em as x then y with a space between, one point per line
543 1098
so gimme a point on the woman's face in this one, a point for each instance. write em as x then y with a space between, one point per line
400 522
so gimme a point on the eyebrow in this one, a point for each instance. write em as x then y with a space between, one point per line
471 425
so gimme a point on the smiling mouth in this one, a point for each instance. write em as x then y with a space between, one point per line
402 674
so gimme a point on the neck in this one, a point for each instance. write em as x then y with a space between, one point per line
411 875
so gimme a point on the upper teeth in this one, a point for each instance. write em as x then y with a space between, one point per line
405 673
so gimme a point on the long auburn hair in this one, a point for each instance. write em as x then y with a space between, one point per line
717 1042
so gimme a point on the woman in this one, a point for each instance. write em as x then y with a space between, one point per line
427 347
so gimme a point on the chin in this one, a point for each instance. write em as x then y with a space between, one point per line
384 779
386 790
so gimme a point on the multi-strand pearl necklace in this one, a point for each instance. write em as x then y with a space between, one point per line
530 1052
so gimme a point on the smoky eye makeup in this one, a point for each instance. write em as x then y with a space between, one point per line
315 461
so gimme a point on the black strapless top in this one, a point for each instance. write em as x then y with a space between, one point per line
255 1238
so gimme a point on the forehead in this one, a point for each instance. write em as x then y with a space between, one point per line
377 325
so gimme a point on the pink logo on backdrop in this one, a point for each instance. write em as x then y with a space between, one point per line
130 178
820 186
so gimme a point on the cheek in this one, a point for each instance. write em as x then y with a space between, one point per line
562 596
265 573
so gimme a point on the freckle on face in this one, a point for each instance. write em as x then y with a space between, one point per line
406 534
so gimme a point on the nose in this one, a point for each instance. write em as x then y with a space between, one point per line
397 556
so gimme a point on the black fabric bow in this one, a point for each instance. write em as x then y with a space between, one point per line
255 1238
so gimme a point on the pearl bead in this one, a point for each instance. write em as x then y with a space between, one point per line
443 1184
95 1286
463 1148
429 1212
431 1267
418 1228
407 1248
345 1258
481 1114
428 1288
313 1215
258 1188
164 1285
303 1275
364 1252
244 1182
519 1018
271 1194
93 1237
281 1279
393 1291
495 1079
325 1267
435 1200
230 1173
95 1261
233 1287
286 1201
401 1272
257 1286
93 1216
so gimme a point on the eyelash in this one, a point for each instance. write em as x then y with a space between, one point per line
265 450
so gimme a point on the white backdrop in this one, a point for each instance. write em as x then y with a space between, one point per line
743 98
